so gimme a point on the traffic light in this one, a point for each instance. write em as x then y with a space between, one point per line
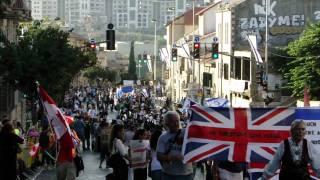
92 44
174 54
215 51
196 50
259 77
110 37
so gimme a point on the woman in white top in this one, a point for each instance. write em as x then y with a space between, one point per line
155 168
117 146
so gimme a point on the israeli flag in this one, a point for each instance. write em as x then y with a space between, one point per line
216 102
119 93
127 89
145 93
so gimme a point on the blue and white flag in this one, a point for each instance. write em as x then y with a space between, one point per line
127 89
216 102
187 104
119 93
145 93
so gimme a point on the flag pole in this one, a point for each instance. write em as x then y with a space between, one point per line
44 110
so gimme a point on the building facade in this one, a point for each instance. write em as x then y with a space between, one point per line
81 12
12 103
138 14
233 75
44 9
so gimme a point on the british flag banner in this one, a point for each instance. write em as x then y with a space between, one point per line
241 134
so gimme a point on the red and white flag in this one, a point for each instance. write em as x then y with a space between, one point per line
34 150
69 119
56 118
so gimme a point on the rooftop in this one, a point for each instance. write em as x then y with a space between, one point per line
188 16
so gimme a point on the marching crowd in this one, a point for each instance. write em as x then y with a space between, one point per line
138 119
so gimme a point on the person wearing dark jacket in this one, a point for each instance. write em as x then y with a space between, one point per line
9 147
293 156
87 133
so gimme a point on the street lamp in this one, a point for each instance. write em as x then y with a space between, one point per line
155 51
172 42
139 66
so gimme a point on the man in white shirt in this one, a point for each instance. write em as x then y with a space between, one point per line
293 156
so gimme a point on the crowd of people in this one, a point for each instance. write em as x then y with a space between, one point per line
108 124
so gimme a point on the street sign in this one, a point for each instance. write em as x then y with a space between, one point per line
215 40
197 39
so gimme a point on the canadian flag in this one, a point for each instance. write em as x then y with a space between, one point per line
56 118
69 119
34 150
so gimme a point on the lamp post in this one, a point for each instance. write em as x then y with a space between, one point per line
139 66
155 51
266 42
172 42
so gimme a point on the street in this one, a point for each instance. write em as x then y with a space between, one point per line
91 171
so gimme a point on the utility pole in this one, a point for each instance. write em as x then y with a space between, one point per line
155 51
266 43
193 36
221 50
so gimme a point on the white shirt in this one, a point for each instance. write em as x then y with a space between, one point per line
275 163
119 147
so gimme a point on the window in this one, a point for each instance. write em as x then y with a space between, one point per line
180 4
132 3
226 71
226 33
246 69
182 67
237 68
207 79
132 15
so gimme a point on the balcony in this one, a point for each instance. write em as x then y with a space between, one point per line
18 9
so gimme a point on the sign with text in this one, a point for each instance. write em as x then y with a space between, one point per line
311 116
284 24
138 153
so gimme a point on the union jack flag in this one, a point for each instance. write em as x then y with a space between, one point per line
236 134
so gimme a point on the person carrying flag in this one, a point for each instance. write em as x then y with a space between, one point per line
65 167
293 156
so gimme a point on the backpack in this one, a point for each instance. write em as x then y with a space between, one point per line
44 140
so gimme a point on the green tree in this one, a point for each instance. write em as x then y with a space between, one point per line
104 74
132 64
43 55
304 70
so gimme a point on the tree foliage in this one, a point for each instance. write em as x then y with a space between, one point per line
304 70
43 55
132 64
104 74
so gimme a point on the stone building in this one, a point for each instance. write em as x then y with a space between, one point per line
12 103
